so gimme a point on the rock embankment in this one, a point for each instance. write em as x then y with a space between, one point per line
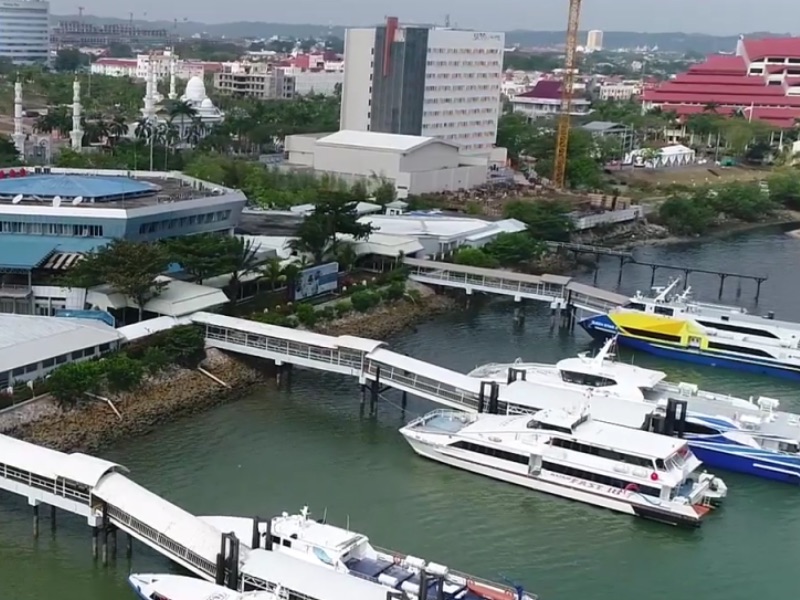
181 392
389 319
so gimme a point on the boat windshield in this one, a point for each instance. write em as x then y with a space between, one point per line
789 448
635 306
677 460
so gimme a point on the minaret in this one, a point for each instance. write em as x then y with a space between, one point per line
76 135
149 109
173 92
19 135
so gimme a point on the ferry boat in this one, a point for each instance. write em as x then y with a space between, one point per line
566 453
676 326
345 551
606 376
744 435
178 587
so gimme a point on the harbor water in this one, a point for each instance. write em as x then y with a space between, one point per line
276 451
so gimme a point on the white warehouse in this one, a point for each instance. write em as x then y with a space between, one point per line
416 165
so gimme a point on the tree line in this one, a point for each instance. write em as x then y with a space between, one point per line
697 211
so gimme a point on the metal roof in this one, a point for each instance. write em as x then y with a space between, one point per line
32 251
286 333
309 579
163 516
177 299
372 140
91 188
45 462
26 339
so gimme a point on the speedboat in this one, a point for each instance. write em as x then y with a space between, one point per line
676 326
744 435
152 586
343 550
566 453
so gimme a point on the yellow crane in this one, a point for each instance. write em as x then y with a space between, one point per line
570 66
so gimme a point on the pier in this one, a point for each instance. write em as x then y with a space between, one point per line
100 492
560 291
369 361
627 257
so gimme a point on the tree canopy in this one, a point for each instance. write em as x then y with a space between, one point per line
130 268
334 212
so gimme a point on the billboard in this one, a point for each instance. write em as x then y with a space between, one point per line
322 279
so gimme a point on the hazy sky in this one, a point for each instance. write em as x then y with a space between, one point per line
707 16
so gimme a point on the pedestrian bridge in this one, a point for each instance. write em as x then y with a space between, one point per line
559 291
99 491
368 360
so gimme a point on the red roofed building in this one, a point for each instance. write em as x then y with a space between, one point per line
762 80
544 100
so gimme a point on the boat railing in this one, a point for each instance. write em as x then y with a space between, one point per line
458 574
439 412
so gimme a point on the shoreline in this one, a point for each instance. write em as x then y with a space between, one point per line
179 393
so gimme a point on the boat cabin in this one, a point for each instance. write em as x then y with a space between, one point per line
328 544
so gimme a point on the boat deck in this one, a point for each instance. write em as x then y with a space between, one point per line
442 421
388 573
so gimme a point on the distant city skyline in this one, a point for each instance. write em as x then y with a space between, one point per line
718 17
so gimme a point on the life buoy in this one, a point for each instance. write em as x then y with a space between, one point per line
489 592
631 487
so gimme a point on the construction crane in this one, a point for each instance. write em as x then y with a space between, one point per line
570 66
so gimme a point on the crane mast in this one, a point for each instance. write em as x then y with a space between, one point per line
570 64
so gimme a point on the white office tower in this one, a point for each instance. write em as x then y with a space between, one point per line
594 41
25 31
442 83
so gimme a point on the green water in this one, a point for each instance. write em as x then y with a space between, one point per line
276 451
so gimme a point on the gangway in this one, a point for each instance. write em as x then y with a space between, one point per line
560 291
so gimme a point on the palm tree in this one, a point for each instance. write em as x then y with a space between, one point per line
242 260
195 132
182 111
711 107
273 272
143 129
118 127
44 124
346 256
167 134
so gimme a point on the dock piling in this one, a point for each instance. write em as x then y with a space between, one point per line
52 518
95 533
128 546
36 520
113 543
104 549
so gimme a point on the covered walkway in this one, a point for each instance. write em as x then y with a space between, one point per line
368 360
558 290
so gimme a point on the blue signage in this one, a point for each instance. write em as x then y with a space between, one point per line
322 279
96 315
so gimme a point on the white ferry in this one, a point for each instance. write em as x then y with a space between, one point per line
676 326
178 587
745 435
342 550
567 454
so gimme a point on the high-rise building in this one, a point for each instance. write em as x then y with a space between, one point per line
594 40
425 81
25 31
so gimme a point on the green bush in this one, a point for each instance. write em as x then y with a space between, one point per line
395 291
343 307
154 360
306 314
364 300
122 372
70 383
327 314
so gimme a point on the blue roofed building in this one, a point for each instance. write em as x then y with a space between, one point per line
49 217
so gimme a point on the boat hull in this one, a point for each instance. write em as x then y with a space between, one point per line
431 452
602 327
740 462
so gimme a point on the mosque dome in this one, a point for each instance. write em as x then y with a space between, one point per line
195 90
207 103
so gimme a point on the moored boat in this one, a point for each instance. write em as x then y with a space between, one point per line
744 435
675 326
567 454
162 586
345 551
